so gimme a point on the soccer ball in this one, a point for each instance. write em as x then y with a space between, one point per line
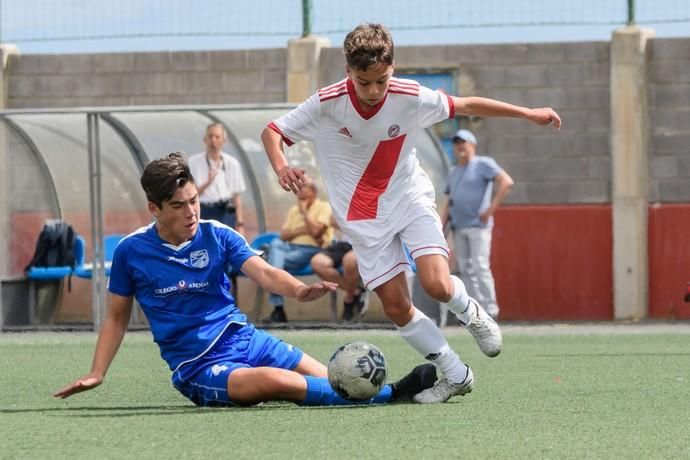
357 371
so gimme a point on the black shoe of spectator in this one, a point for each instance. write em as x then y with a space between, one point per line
277 316
348 311
355 309
418 380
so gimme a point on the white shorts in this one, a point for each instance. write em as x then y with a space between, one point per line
381 259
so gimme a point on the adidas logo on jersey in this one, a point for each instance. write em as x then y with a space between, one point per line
345 132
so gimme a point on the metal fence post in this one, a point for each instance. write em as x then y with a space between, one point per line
631 12
96 207
307 9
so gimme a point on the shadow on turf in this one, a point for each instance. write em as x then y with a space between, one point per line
108 411
135 411
610 355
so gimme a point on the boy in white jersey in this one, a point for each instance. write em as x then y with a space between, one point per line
175 268
364 129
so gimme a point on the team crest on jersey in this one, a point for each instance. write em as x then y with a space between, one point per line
393 130
217 369
199 259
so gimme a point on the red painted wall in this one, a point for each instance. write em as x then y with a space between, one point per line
74 305
553 262
669 260
550 262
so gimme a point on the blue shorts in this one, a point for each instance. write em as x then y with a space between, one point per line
205 381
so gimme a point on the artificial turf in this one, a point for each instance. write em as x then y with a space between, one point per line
557 395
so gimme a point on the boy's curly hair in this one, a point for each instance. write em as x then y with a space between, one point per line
368 44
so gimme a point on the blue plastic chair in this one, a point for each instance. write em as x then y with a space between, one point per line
259 243
54 274
59 272
109 244
263 239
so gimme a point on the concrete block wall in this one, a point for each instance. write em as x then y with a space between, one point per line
549 167
669 117
571 166
204 77
557 169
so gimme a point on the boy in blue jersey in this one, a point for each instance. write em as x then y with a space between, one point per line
175 269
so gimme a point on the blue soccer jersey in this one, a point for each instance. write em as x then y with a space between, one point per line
183 290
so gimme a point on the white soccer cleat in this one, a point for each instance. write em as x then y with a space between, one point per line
485 331
443 390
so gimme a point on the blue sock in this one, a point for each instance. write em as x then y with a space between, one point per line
320 393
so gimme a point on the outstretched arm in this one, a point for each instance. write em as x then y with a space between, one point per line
484 107
282 283
291 179
109 340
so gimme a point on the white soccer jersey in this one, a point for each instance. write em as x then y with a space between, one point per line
367 159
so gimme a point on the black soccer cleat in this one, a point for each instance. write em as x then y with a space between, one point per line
418 380
277 316
687 293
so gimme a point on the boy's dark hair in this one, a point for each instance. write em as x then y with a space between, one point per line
368 44
162 178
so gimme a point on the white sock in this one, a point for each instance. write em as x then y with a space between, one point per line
423 335
460 302
451 365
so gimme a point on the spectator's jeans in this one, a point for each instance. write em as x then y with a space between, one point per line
224 216
473 251
289 257
219 213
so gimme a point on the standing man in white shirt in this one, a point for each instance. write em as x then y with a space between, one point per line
219 181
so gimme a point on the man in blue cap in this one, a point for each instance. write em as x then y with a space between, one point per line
469 209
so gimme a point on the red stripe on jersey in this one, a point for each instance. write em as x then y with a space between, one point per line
336 89
327 98
410 84
403 90
332 86
286 139
397 91
340 84
365 201
358 107
405 87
